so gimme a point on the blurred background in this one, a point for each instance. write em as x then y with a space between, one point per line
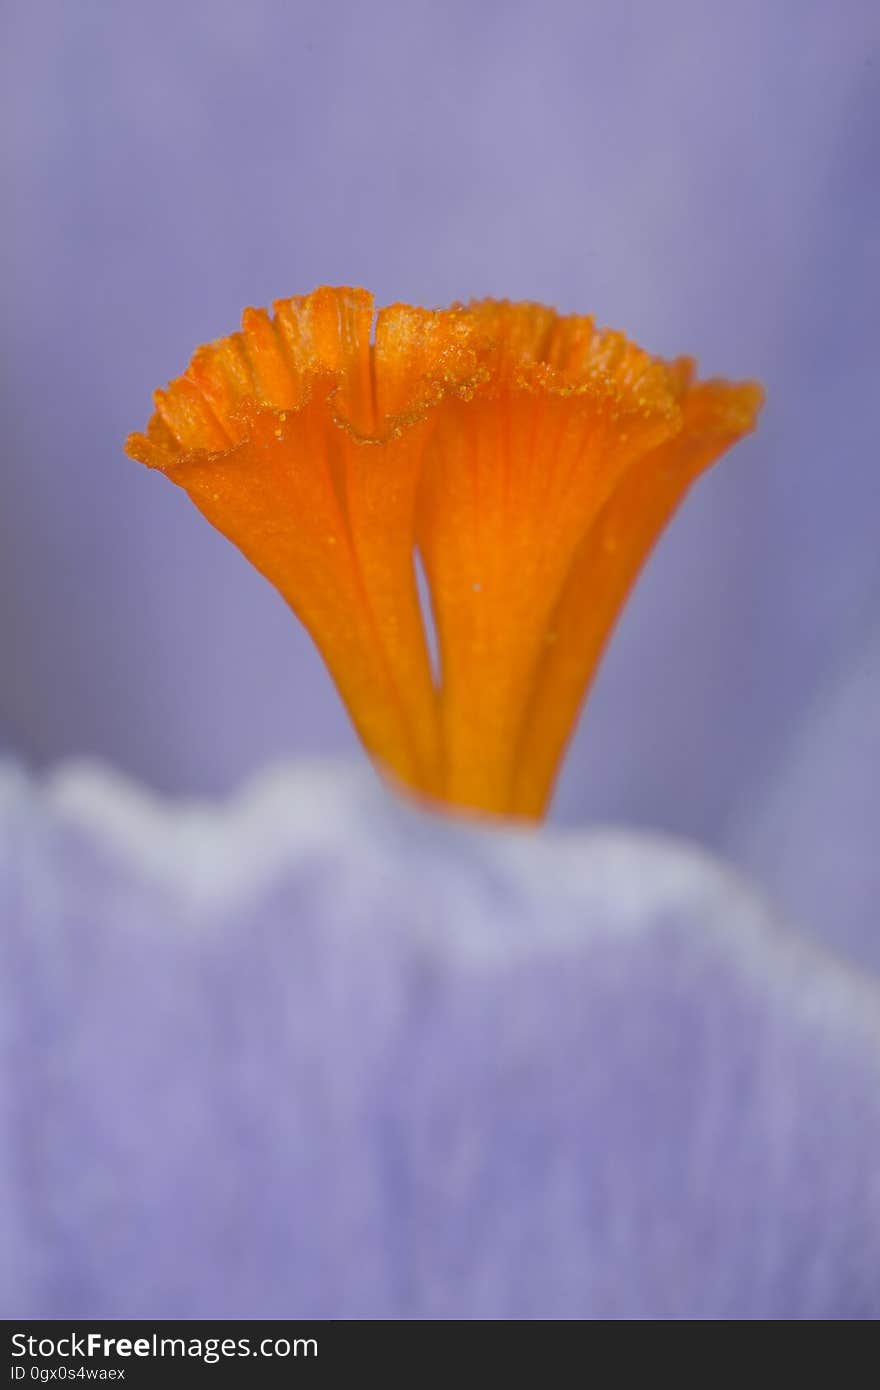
702 175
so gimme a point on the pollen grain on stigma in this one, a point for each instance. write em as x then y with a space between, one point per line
529 457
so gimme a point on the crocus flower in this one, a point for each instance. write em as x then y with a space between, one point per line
325 1052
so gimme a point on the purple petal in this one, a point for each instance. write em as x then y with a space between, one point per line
812 832
315 1053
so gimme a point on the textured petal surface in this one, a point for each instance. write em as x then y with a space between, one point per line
317 1054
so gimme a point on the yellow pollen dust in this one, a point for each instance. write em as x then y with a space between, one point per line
529 458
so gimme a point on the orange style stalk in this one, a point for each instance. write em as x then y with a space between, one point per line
531 459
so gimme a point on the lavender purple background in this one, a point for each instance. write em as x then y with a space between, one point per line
702 175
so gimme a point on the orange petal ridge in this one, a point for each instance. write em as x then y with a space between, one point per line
532 459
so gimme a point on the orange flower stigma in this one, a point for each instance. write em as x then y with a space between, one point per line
531 459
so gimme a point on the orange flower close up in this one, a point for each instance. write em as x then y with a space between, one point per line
531 459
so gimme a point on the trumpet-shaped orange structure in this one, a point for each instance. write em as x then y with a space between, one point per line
531 459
